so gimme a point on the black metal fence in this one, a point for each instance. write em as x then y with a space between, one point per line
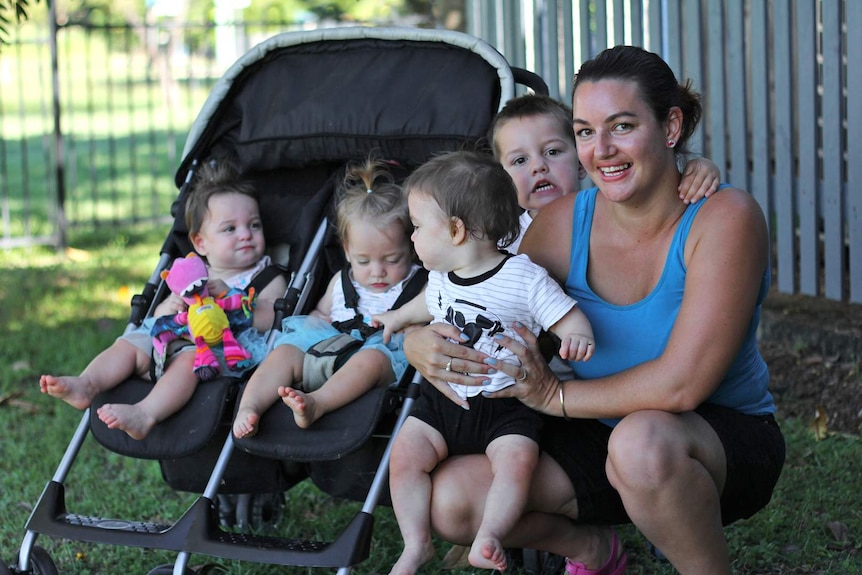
96 144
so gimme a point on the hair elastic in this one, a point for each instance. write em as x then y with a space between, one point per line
368 191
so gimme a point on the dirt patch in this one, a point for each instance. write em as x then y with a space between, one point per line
814 350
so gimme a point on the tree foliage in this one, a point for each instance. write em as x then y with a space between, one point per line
12 11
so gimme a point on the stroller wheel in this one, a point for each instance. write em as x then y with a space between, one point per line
259 511
41 563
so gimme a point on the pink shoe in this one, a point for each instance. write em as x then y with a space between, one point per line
615 565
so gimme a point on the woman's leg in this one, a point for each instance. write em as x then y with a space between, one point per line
169 394
366 369
458 505
282 366
670 471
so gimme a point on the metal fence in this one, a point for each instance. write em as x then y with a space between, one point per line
781 81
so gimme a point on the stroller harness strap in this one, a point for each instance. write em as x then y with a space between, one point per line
351 299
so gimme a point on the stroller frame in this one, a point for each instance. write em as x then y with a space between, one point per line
197 530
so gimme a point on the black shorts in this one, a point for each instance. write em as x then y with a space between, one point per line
753 446
470 431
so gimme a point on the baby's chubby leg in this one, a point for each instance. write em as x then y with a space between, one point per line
169 394
365 369
513 459
282 367
417 450
111 367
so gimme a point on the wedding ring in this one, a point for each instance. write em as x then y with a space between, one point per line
449 365
523 376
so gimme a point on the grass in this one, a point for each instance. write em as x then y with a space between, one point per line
57 311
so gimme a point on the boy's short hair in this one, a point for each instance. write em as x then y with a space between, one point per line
474 188
212 178
529 106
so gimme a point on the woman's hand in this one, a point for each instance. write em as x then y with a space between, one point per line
536 386
431 351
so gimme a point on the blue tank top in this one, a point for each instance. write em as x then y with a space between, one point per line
632 334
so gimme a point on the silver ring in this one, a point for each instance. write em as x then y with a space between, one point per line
449 365
523 376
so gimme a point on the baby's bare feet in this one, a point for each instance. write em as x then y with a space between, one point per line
129 418
487 553
245 423
301 404
412 559
75 391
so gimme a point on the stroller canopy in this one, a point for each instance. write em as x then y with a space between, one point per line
341 93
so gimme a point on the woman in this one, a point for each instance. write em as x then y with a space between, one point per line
670 425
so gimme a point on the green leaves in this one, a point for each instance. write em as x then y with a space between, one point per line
20 8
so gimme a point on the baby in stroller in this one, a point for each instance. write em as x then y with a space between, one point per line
324 360
224 226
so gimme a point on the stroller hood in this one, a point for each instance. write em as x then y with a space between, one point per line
337 94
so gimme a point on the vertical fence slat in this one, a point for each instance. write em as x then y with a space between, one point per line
854 148
600 41
672 41
717 110
654 27
736 89
636 22
806 126
693 60
833 215
619 22
782 130
760 160
570 50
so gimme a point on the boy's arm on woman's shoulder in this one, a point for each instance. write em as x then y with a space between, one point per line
700 178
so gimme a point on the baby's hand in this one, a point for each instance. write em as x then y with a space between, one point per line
699 180
577 347
217 287
172 305
390 322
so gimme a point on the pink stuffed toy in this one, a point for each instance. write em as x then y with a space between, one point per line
205 323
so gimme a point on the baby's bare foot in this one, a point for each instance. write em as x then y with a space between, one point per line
301 404
75 391
245 423
487 553
129 418
412 559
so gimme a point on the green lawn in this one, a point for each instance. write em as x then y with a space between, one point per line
58 311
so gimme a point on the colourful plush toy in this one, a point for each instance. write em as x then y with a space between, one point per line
206 322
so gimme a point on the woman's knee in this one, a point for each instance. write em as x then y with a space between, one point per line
644 450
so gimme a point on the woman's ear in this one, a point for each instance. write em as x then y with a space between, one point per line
673 126
457 231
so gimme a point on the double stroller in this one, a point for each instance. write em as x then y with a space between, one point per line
291 113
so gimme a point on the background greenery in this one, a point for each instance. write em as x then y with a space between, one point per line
58 310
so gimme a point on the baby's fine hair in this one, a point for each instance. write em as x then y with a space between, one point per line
474 188
532 106
213 178
369 192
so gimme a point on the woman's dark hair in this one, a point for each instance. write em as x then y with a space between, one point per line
658 86
474 188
